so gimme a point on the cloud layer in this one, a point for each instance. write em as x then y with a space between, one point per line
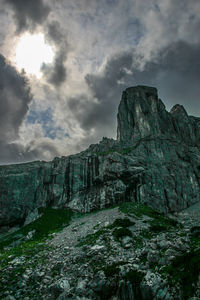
28 14
101 48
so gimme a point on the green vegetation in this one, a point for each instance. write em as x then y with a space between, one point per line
134 276
195 242
120 229
91 239
138 210
52 220
24 251
107 291
112 270
146 233
184 270
195 231
122 223
21 258
158 222
120 232
18 246
158 228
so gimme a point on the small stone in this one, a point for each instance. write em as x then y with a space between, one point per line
163 244
153 256
126 240
97 247
81 286
9 297
64 284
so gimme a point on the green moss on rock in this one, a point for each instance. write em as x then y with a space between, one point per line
51 220
120 232
184 270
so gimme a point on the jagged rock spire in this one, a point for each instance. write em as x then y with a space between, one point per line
142 114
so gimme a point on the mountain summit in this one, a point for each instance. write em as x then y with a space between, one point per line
141 114
155 160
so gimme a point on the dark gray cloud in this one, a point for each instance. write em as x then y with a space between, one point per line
54 32
15 97
106 92
175 72
18 153
56 73
28 14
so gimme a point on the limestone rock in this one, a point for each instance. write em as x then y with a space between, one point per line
155 160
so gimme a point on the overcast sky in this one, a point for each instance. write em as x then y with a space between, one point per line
100 47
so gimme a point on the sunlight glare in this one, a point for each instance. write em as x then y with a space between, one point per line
32 52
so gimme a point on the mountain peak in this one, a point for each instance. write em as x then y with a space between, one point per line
140 114
155 160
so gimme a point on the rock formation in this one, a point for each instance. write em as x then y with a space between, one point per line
155 160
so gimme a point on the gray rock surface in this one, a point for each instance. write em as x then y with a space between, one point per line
92 262
155 160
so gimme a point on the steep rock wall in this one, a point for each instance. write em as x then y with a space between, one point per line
155 160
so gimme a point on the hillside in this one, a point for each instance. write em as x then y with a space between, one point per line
117 221
125 252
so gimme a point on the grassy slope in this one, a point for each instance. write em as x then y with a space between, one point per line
183 270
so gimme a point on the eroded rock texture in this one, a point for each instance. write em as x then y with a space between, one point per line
155 159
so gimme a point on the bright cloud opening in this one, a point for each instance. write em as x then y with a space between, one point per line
31 52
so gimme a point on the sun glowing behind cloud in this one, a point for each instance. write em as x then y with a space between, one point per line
31 52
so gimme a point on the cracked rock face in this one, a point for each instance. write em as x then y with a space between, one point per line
155 160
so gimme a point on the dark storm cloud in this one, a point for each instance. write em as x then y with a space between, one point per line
177 75
56 72
15 97
106 92
13 153
175 72
28 13
17 153
54 31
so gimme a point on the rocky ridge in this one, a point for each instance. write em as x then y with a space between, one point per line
155 160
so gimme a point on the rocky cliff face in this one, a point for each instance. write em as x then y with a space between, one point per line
155 160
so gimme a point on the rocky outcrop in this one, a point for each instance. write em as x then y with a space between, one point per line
168 143
142 115
155 160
